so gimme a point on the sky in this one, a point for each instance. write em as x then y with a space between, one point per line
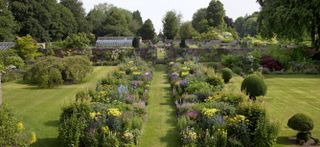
156 9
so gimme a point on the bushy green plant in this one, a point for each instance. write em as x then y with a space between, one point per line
301 122
226 74
73 121
202 89
53 71
266 133
215 81
253 85
12 132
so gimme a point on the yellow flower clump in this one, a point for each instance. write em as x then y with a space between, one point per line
33 138
209 112
223 131
20 126
93 115
236 119
106 130
114 112
136 73
185 73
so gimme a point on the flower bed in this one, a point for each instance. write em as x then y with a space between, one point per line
113 113
209 117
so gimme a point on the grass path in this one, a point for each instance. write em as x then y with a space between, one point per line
160 127
39 109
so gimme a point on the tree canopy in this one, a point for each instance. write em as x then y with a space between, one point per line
215 13
8 25
247 25
294 20
199 20
147 30
187 31
171 23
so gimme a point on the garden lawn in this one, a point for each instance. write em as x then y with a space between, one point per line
39 109
287 95
160 127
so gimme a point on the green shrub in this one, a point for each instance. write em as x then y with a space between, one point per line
266 133
226 74
254 113
53 71
76 68
301 122
215 81
231 98
73 121
202 89
254 86
10 133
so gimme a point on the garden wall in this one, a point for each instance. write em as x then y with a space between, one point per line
207 52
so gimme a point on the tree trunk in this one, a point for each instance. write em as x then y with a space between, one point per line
0 90
253 98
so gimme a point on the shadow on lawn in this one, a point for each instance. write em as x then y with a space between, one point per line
52 123
46 142
284 140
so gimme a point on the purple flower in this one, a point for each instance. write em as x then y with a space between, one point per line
134 84
183 83
192 114
174 76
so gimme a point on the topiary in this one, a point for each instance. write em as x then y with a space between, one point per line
226 74
302 123
254 86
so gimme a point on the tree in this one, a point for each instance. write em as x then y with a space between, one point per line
229 22
136 22
147 30
226 74
8 25
293 20
62 24
116 23
26 47
171 23
247 25
75 6
97 16
187 31
254 86
33 17
215 13
199 20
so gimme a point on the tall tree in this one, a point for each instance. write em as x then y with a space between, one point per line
147 30
199 20
187 31
8 25
247 25
97 16
171 23
136 22
78 12
116 23
33 17
62 23
215 13
229 21
292 20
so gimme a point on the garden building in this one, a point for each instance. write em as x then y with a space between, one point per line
6 45
105 42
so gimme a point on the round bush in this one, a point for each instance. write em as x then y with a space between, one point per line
253 85
226 74
215 81
301 122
